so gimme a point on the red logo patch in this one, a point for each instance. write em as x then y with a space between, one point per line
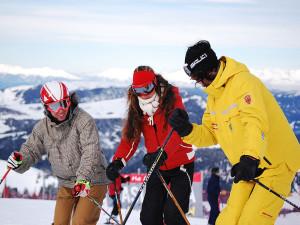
247 99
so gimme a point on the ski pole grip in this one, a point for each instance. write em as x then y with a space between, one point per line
18 156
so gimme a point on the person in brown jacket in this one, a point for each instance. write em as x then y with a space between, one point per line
69 137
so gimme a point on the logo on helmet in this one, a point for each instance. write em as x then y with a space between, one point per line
198 60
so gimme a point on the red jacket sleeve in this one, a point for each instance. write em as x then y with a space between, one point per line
126 149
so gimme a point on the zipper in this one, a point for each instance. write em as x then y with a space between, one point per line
267 160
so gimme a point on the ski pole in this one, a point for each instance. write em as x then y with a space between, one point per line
118 202
275 193
148 175
4 176
172 197
100 207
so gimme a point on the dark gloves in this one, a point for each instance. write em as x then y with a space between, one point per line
179 120
125 179
149 159
112 171
247 169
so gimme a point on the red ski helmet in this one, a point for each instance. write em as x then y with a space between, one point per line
143 80
55 92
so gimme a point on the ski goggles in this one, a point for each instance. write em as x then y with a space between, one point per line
187 69
56 106
143 90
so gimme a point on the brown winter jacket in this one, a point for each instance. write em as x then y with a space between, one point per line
72 148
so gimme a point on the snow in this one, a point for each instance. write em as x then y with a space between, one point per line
36 212
275 79
3 128
8 95
106 109
32 180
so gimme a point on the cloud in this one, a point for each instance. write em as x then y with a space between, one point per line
147 28
43 72
232 1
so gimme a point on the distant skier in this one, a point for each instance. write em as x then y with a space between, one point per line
69 137
151 100
245 119
213 193
113 189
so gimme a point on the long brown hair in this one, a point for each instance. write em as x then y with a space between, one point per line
134 120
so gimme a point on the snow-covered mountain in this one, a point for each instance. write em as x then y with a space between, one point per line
12 75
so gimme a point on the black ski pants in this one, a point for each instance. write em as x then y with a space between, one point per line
114 211
158 208
214 210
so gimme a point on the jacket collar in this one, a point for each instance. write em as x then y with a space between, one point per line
214 89
228 68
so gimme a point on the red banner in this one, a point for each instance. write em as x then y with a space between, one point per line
139 177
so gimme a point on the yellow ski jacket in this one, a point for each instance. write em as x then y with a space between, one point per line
243 117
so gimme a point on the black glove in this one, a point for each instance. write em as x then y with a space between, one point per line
112 171
247 169
149 159
179 120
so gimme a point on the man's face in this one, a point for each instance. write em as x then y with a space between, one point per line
203 81
61 114
59 110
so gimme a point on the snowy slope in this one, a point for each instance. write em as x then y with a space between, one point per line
32 180
40 212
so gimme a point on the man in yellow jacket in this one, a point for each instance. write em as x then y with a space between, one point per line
244 118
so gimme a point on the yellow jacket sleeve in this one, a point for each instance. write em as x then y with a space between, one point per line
201 135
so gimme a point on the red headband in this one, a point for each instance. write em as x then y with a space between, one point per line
142 78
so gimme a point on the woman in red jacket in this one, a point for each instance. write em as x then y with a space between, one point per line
151 99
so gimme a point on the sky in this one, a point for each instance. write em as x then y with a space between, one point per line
87 37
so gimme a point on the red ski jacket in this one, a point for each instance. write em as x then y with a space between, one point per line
178 152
